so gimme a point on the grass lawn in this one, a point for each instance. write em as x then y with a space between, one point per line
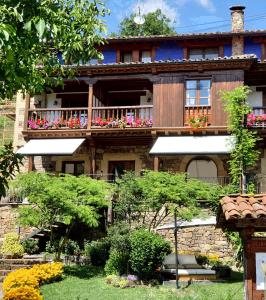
87 283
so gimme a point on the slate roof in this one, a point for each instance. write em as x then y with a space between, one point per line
237 207
178 61
186 36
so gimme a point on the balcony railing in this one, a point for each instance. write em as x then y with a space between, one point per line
257 119
220 180
122 116
101 117
58 118
197 116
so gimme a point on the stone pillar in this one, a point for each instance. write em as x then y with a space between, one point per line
237 17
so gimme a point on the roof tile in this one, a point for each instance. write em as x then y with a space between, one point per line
244 206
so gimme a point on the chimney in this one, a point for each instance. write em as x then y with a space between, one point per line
237 17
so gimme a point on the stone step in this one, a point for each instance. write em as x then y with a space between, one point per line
4 272
16 267
5 267
13 261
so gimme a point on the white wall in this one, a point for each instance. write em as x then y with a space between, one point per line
255 98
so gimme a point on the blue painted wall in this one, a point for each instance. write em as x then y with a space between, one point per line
252 48
169 50
228 50
109 56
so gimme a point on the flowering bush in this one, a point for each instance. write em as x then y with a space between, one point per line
23 293
121 122
20 278
73 123
198 121
25 281
253 120
11 245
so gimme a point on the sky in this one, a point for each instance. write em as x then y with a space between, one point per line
187 15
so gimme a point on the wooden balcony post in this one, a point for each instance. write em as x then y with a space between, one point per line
156 164
26 111
90 100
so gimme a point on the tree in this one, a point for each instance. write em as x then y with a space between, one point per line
244 155
66 199
157 194
35 34
156 23
9 165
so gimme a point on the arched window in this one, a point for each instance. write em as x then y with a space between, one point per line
204 169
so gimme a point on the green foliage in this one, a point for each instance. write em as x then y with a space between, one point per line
31 246
237 242
33 32
119 237
97 251
148 251
137 196
245 154
117 263
72 248
156 23
66 199
60 199
11 245
9 165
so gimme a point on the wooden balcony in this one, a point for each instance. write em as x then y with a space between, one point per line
197 116
257 119
97 117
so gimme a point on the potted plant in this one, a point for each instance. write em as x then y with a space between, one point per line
198 121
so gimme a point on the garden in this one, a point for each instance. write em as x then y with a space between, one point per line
101 257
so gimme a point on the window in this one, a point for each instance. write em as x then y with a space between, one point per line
145 56
73 167
205 53
198 92
126 57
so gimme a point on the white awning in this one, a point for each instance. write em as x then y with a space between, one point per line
218 144
51 147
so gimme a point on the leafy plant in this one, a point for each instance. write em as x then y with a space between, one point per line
31 246
11 245
97 251
198 121
118 261
245 154
66 199
72 248
148 251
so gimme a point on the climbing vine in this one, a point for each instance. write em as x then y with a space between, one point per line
245 154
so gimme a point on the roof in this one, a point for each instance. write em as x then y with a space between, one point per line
186 36
170 61
241 211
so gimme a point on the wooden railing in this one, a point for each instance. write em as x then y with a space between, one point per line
220 180
115 116
48 118
197 116
77 118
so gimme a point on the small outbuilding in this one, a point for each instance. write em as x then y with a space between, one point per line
247 215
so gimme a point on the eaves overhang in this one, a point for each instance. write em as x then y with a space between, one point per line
244 62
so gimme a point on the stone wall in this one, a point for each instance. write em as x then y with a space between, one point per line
8 218
201 239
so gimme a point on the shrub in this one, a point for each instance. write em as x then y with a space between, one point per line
20 278
97 251
11 245
147 252
23 292
28 280
31 246
72 248
118 263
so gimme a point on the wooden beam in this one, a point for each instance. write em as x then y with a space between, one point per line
90 102
26 112
156 164
30 163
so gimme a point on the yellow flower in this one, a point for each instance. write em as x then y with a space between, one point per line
23 293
